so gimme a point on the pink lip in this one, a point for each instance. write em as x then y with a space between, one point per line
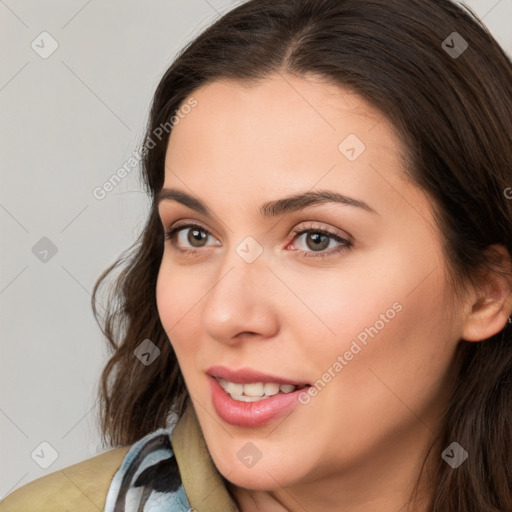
250 414
247 375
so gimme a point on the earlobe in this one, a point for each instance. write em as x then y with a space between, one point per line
491 310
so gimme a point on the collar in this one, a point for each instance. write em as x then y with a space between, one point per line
203 483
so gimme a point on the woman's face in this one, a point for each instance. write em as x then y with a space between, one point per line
369 324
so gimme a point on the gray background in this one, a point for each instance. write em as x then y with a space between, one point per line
68 122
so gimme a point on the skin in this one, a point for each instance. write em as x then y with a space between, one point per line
360 442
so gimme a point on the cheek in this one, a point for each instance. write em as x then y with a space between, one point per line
383 316
399 354
166 298
330 310
177 300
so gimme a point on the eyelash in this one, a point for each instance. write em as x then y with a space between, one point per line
345 244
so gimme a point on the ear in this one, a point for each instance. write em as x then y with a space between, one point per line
491 303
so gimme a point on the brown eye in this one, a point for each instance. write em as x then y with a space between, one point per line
194 239
317 240
196 236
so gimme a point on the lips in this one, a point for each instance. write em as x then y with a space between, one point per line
248 376
248 398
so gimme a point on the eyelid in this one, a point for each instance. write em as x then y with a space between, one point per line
318 225
190 224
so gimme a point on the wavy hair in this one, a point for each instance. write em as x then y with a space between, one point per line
453 113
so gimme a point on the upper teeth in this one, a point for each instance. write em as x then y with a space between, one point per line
254 391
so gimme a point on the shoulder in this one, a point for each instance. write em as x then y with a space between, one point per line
82 486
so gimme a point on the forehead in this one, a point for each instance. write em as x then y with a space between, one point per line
286 134
277 102
282 119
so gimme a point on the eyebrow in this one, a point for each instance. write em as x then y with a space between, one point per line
275 208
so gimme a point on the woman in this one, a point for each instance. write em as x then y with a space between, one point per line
321 296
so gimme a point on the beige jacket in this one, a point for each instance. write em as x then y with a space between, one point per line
83 487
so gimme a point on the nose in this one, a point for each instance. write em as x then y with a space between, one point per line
242 302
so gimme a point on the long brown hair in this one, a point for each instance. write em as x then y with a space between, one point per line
451 106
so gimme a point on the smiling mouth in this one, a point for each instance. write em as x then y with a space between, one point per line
252 392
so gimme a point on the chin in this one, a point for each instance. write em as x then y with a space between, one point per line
262 476
257 480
